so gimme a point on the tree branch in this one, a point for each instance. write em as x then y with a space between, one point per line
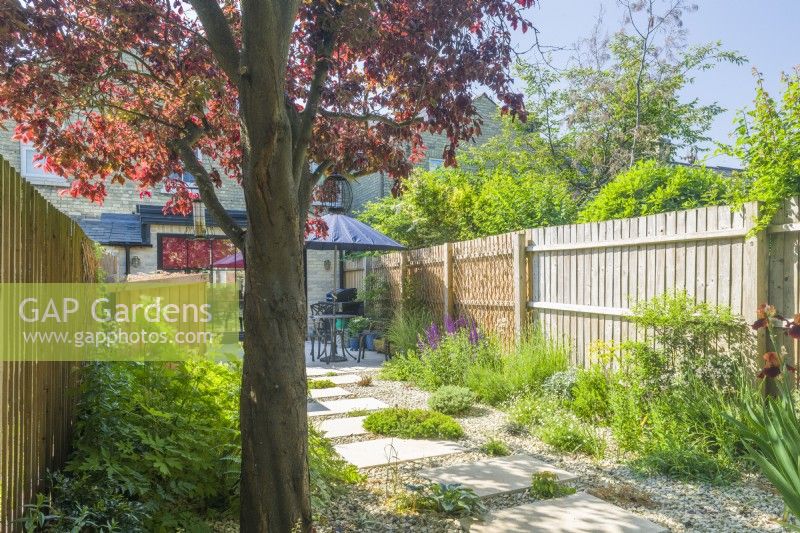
371 117
219 36
209 196
312 102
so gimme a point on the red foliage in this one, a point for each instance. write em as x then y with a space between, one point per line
104 87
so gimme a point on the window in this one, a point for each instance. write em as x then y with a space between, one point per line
185 252
433 164
32 170
187 178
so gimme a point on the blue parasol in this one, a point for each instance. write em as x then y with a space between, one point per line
348 234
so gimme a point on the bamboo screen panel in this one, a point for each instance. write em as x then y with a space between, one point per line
483 283
37 399
424 283
389 268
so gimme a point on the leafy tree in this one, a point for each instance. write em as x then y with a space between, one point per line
768 142
434 207
446 205
621 101
651 187
509 202
125 90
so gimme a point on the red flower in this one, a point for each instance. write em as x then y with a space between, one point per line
764 313
772 366
793 327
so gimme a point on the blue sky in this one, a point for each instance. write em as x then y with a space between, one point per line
766 32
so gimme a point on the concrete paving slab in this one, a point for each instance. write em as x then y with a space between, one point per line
495 476
381 452
342 427
344 379
579 513
313 372
330 392
339 407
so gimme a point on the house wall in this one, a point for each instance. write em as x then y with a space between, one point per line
374 186
120 199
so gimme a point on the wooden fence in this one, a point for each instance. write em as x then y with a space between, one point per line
579 282
38 244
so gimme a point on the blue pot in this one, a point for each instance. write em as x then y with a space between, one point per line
352 343
369 341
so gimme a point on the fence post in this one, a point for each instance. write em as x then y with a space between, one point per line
402 279
447 279
520 294
755 283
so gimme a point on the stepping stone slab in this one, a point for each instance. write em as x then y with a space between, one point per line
330 392
314 372
343 427
380 452
495 476
344 379
579 513
340 407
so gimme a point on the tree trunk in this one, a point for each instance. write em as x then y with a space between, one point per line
274 479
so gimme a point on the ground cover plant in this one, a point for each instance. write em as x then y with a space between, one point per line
495 448
413 424
320 384
545 485
451 400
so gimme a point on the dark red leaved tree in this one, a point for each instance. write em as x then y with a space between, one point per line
116 90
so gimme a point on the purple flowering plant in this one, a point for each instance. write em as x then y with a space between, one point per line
452 326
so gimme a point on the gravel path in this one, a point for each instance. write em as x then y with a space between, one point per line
750 504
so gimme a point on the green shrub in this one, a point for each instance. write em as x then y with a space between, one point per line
669 401
320 384
561 384
545 485
627 415
495 448
159 435
407 367
565 433
532 410
590 394
532 361
413 424
489 384
650 187
450 361
451 400
406 327
521 370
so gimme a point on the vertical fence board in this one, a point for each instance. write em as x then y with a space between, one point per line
38 244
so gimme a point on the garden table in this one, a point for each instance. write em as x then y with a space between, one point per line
334 357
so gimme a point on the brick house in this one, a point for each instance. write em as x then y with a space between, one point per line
134 229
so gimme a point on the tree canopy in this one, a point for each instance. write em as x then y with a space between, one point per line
500 186
650 187
768 143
